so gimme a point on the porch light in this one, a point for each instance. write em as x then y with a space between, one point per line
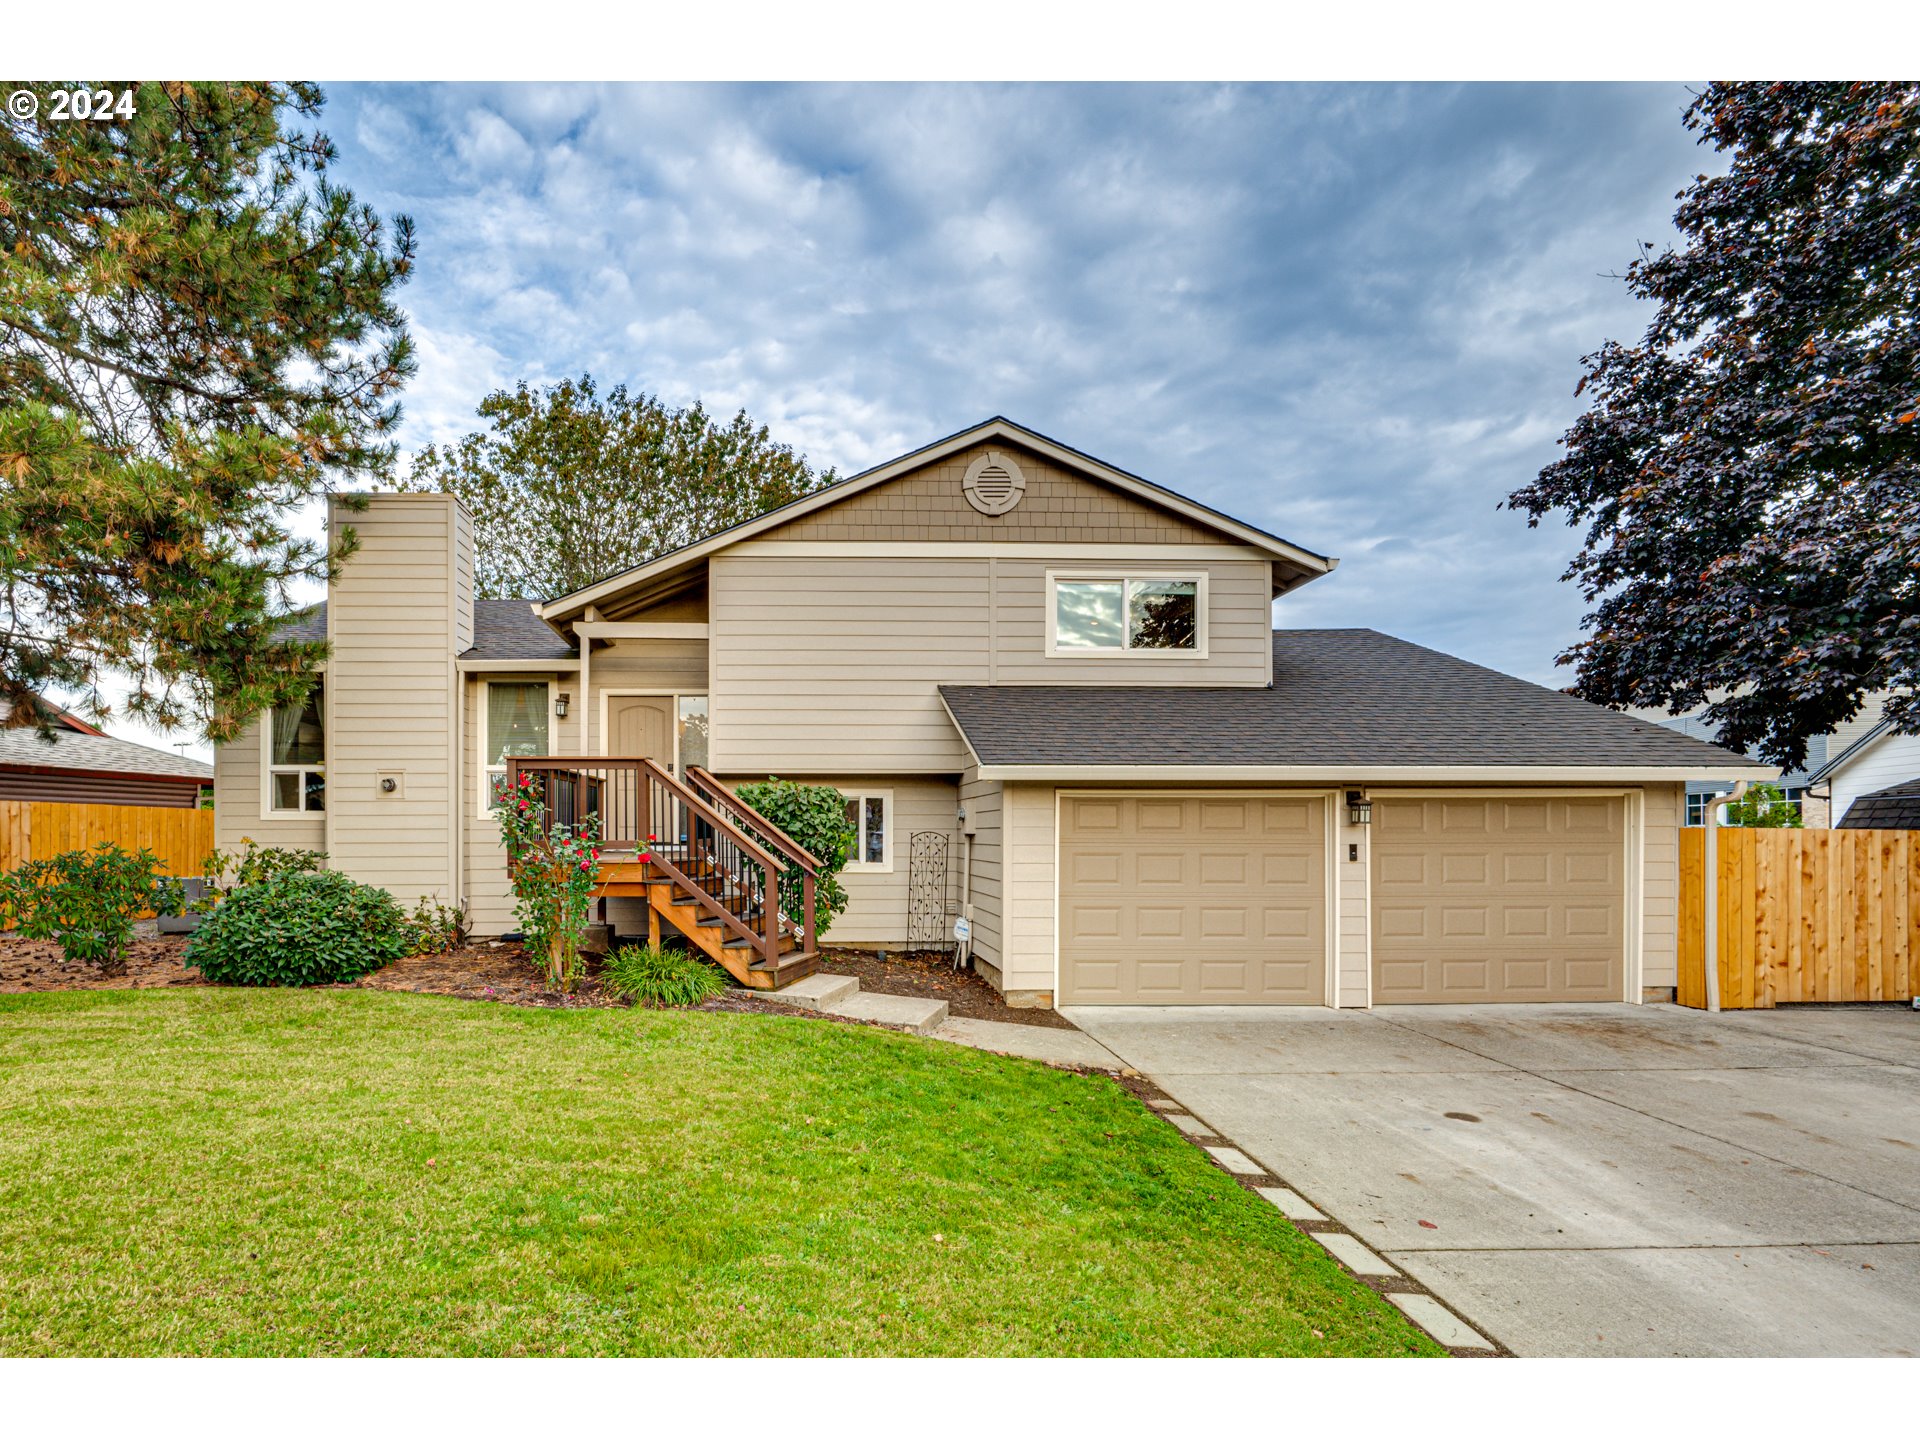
560 704
1359 808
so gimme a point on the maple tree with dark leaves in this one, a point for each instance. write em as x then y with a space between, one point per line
197 334
1749 473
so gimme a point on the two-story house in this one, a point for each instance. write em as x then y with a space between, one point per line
1147 793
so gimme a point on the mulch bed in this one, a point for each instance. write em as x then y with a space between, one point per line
35 966
933 976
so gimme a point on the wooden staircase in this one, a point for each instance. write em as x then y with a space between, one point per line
705 861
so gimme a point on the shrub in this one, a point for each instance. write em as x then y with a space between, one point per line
301 929
87 900
649 975
254 865
553 871
434 929
815 818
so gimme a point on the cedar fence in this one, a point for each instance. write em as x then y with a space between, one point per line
37 829
1802 916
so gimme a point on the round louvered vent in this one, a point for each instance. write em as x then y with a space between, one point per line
994 483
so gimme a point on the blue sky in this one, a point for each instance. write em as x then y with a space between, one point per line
1352 315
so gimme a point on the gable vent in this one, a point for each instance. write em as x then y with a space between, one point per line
994 483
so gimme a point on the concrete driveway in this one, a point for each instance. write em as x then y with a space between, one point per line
1589 1179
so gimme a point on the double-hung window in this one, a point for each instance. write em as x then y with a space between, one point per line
870 818
516 725
297 754
1163 615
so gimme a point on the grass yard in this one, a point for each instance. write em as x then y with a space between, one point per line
228 1172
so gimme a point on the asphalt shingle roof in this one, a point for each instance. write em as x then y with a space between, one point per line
502 630
1895 808
71 750
1340 698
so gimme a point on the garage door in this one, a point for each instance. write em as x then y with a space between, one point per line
1193 900
1502 899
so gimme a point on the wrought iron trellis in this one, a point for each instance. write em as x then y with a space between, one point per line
929 918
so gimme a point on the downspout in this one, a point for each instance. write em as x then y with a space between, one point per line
1711 946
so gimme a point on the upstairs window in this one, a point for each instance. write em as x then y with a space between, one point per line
1126 615
297 754
516 725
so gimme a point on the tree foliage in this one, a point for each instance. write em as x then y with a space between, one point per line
1749 473
567 486
1763 807
197 334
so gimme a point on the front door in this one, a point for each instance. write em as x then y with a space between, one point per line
640 727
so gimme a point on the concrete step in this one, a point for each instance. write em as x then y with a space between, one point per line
819 991
920 1016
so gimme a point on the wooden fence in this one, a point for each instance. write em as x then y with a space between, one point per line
1803 915
35 829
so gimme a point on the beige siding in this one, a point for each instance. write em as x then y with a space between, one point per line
1353 926
678 667
1239 624
822 666
983 801
392 620
1058 507
1660 886
239 800
1028 944
463 582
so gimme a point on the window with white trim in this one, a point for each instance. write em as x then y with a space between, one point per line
870 817
1126 614
297 754
516 724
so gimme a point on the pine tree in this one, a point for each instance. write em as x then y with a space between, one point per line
197 334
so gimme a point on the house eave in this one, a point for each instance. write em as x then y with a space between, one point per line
1362 774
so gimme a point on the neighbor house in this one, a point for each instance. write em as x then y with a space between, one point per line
73 762
1063 679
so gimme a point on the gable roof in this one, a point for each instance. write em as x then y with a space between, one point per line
1852 752
1343 702
1306 563
1895 808
81 747
502 630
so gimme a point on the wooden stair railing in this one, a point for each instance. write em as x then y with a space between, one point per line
798 857
704 870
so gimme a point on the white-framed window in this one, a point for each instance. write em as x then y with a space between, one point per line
297 754
1127 614
514 715
870 815
1791 798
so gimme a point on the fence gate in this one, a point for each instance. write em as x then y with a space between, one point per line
1802 915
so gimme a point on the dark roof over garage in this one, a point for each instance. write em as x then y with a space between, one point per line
1895 808
502 630
1340 698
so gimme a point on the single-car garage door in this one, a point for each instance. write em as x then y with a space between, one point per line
1498 899
1193 900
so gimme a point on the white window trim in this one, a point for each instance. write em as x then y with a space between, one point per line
486 771
883 866
269 810
1127 577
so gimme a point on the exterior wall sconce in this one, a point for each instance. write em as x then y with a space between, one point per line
560 704
1359 808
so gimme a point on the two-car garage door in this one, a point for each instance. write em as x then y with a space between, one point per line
1222 899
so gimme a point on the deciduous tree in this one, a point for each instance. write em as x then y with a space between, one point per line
1749 473
568 486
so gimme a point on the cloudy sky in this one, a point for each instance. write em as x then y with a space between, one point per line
1352 315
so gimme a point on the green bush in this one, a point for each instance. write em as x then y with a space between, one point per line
254 865
1763 807
86 900
649 975
815 817
300 929
434 929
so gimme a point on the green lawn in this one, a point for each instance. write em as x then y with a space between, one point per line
227 1172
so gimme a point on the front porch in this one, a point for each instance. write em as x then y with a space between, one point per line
704 861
